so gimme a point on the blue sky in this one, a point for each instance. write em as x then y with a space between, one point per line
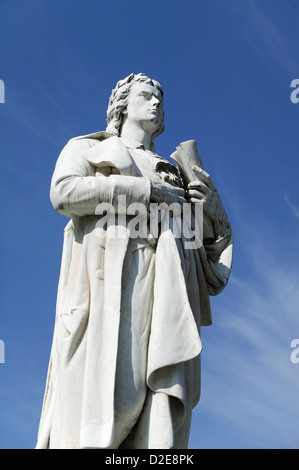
226 69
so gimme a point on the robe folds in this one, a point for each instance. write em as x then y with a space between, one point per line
124 367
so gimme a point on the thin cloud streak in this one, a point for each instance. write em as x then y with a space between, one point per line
294 209
249 381
263 32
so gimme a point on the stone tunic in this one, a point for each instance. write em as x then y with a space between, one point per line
125 361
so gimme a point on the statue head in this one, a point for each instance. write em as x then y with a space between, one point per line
119 99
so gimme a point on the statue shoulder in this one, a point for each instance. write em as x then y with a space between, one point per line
81 145
99 136
99 149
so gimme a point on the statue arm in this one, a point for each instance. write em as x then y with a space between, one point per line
216 259
75 190
216 253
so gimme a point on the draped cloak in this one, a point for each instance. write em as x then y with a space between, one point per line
81 395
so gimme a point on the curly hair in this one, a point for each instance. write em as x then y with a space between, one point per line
119 99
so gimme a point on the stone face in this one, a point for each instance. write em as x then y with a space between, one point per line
133 292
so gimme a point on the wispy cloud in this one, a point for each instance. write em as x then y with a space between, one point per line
265 37
250 385
292 206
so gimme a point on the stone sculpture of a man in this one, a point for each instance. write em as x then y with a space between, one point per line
124 370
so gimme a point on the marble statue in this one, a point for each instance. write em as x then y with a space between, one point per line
124 370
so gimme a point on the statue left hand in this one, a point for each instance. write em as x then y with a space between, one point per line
204 190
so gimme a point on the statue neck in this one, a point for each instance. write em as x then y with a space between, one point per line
133 131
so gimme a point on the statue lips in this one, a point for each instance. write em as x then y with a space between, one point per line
155 113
